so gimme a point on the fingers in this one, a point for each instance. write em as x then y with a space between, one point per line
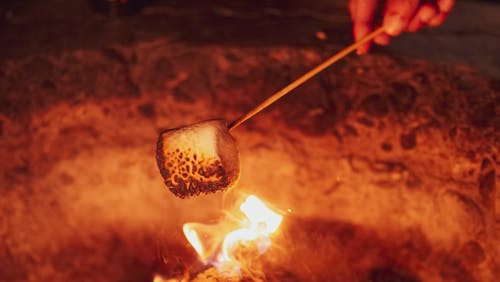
362 14
422 18
398 14
445 7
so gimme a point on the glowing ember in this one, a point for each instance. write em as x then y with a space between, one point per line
218 247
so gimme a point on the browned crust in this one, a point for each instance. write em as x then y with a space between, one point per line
189 186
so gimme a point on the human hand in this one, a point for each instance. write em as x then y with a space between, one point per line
397 16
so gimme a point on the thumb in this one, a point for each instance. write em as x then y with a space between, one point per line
398 14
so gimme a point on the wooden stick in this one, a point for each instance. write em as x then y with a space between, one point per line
299 81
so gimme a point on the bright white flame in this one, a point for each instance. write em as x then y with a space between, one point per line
262 218
259 224
262 222
193 238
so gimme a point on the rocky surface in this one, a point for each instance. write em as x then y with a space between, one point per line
388 163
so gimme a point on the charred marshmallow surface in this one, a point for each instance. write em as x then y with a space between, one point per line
198 158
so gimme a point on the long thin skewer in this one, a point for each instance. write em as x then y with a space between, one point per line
299 81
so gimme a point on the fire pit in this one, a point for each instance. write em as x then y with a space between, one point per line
383 168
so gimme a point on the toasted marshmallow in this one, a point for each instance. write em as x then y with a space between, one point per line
199 158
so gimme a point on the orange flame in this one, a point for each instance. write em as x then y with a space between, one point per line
216 246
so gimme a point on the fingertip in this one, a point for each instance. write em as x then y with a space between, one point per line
437 20
383 40
363 49
415 26
445 5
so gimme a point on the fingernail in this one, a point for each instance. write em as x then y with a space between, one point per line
394 24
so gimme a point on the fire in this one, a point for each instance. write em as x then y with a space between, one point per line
193 238
217 244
